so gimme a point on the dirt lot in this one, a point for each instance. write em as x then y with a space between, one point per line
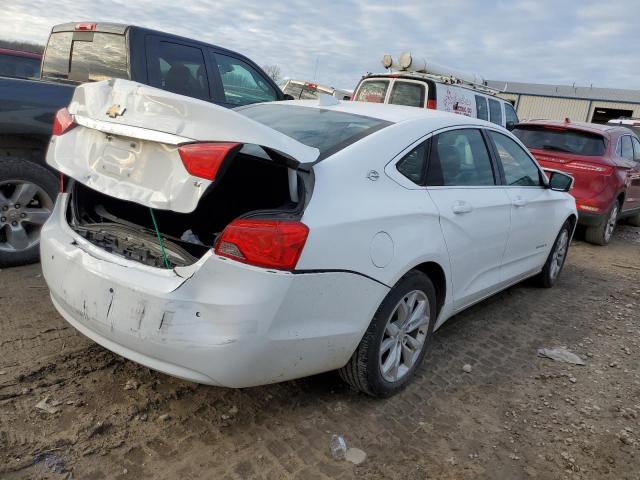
515 415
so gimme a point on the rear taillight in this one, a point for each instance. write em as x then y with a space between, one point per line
62 122
590 167
432 104
85 26
204 159
264 243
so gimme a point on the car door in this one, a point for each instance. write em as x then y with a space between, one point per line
474 211
633 190
533 217
240 82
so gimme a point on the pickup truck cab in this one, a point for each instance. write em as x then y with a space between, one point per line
87 52
420 84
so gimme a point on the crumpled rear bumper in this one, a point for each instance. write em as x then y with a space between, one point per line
218 322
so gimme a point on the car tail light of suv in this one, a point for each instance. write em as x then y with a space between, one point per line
591 167
62 122
264 243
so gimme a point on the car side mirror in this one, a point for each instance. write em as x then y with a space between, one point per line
511 125
288 97
559 181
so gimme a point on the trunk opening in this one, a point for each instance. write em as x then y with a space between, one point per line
250 185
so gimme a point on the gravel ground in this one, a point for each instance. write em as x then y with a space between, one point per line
71 409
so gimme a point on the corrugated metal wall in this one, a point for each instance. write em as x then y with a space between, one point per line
552 108
622 106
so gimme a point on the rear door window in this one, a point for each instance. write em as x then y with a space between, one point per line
495 111
407 93
373 91
459 158
481 108
627 148
179 69
242 84
519 168
86 56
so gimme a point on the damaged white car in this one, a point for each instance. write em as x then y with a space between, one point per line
280 240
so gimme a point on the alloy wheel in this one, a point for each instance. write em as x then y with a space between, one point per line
559 254
24 207
404 336
611 222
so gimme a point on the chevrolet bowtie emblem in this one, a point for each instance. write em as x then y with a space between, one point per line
115 111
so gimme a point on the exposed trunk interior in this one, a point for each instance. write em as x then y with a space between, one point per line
249 184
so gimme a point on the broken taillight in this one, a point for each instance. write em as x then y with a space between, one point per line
62 122
204 159
264 243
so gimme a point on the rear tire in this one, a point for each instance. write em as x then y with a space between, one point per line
27 195
397 339
602 234
558 255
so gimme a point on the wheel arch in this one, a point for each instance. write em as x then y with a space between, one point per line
436 274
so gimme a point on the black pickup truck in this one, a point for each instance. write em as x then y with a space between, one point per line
85 52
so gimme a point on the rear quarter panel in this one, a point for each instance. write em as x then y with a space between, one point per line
376 228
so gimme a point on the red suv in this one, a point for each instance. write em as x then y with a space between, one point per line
603 159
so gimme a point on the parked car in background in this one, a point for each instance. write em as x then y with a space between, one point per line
632 124
416 83
279 240
603 159
86 52
302 90
19 64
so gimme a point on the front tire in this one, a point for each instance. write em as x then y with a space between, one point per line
601 234
27 196
558 255
396 341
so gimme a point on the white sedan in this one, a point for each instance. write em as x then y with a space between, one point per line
280 240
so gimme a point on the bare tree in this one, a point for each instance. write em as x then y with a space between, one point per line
273 71
22 46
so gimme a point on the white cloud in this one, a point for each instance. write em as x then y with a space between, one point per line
545 41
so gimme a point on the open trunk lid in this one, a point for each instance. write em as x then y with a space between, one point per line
125 143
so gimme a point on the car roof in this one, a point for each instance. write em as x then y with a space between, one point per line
582 126
389 113
426 77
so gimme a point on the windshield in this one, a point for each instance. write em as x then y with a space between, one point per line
326 130
561 140
372 91
87 56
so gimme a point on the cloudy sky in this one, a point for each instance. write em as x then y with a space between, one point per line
543 41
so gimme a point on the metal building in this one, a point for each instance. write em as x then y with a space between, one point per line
557 102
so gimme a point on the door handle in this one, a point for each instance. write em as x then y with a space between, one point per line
519 202
461 207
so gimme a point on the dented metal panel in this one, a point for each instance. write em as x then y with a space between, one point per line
126 142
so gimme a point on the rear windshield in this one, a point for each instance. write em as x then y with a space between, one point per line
304 92
85 56
21 67
326 130
407 93
561 140
372 91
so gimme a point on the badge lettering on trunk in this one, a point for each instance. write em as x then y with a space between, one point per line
115 111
